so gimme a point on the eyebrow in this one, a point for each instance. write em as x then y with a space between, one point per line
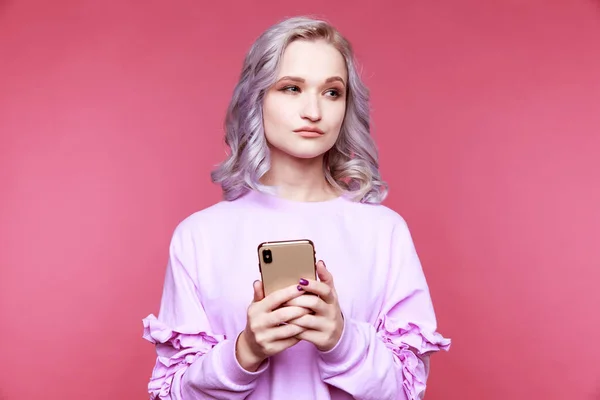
302 80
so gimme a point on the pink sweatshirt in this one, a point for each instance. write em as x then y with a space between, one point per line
390 325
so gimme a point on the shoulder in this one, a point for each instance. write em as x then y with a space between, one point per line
210 219
378 214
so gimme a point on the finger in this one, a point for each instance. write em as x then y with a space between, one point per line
284 344
259 292
286 314
281 296
284 332
321 289
324 274
312 322
311 336
312 303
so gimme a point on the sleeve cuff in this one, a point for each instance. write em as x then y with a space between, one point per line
233 369
341 352
227 367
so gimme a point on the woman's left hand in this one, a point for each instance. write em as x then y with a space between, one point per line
324 327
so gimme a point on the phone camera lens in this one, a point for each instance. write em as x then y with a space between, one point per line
267 256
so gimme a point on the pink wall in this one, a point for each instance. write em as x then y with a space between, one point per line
487 115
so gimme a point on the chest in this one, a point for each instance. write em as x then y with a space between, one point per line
226 275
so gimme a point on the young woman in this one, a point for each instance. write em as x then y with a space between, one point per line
302 165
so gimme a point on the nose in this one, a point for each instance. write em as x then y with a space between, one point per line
311 109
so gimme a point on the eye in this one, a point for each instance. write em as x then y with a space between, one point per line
335 93
291 89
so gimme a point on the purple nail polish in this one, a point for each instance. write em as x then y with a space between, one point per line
300 288
303 282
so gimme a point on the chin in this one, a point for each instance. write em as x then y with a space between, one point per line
306 151
302 149
303 153
305 156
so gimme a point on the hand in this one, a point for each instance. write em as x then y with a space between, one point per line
324 327
266 333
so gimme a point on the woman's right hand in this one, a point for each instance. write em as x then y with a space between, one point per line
266 333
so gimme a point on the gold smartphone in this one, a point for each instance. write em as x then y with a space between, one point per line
284 263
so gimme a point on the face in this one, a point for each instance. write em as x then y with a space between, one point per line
303 112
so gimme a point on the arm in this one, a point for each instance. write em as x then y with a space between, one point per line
192 361
389 361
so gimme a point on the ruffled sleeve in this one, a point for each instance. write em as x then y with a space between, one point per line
407 324
412 348
176 350
389 359
192 361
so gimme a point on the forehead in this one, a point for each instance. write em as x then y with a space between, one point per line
315 60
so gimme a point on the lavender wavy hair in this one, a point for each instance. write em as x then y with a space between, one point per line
351 165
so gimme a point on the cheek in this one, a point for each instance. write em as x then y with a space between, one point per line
337 111
337 115
276 113
267 110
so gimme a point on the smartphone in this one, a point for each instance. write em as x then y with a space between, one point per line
284 263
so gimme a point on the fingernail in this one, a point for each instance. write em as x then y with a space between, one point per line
300 288
303 282
323 263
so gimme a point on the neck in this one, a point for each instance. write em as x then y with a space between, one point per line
298 179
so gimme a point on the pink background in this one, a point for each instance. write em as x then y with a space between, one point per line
487 114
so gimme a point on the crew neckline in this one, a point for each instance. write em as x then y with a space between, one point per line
277 202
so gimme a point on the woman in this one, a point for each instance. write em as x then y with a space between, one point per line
302 165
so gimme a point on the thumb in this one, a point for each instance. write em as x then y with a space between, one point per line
259 292
324 274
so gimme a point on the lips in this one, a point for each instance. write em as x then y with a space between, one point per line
309 131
